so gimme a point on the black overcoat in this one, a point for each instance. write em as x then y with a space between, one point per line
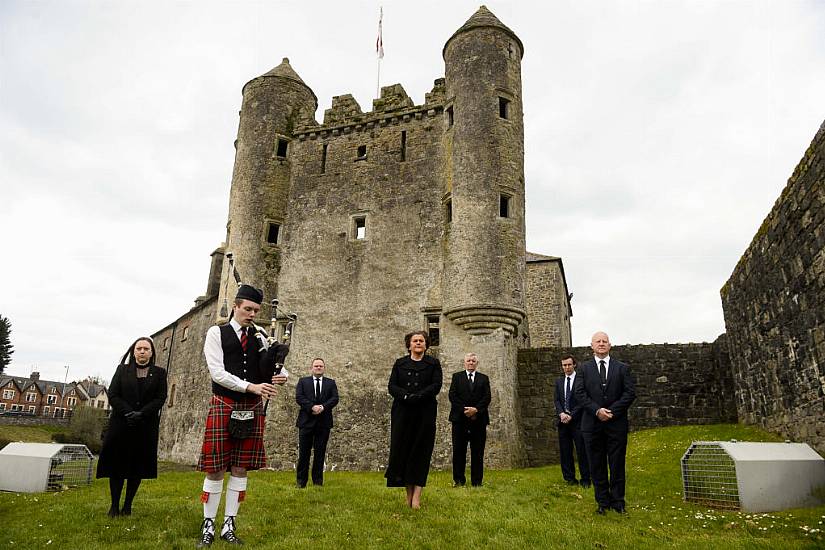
413 386
132 451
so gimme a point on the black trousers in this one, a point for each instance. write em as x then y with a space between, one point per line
606 449
571 436
311 440
474 434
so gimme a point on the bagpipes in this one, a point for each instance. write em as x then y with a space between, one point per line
269 340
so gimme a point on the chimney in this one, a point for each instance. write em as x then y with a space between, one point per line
34 376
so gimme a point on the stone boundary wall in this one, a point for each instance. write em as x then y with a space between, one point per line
33 421
676 384
774 306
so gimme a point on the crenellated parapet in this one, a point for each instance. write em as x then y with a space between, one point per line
393 107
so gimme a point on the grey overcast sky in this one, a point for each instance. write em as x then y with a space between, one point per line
658 135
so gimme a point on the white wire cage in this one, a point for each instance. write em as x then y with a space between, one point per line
39 467
752 477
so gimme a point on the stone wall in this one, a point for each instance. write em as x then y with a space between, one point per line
33 421
774 304
546 302
675 384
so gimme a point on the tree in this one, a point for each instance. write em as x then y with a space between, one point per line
6 349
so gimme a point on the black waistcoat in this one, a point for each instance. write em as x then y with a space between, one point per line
243 364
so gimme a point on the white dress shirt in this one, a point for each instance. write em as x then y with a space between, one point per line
606 360
213 351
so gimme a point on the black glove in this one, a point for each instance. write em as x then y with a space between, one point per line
133 418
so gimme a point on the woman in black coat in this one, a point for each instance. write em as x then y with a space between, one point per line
414 382
130 448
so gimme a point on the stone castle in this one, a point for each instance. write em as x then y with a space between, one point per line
374 224
412 217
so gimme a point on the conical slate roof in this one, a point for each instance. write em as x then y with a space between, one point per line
484 18
285 70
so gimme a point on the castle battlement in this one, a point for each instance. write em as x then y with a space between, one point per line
393 107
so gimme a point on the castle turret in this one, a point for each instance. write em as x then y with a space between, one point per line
485 259
274 104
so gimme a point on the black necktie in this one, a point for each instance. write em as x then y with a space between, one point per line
317 388
244 339
470 374
603 372
567 395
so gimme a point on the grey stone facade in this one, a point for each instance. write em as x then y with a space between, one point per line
774 304
676 384
373 224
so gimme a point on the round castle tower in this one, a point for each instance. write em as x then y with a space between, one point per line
273 105
484 267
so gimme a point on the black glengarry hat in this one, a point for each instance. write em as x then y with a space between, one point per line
247 292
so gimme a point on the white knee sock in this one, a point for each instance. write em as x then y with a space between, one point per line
211 497
235 493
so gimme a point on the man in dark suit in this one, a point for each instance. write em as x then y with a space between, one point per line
469 399
316 395
605 388
569 425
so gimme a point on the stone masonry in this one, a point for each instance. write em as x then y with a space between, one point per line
774 304
676 384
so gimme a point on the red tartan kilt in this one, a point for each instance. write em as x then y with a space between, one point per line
220 451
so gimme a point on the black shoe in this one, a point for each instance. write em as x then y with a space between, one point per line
601 510
318 483
229 536
126 511
571 482
459 483
619 509
113 512
300 485
477 484
207 533
585 484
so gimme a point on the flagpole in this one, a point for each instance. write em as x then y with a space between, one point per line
379 51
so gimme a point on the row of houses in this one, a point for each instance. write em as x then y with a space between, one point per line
51 399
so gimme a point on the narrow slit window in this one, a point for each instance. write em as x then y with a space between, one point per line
403 146
324 158
504 108
450 119
360 228
171 401
362 152
448 210
272 233
281 152
434 329
185 332
503 206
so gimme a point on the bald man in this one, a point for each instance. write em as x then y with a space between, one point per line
605 388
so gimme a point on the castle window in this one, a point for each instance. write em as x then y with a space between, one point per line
324 158
281 152
185 332
272 232
504 108
448 210
450 120
171 401
503 206
433 329
166 343
362 152
403 146
359 228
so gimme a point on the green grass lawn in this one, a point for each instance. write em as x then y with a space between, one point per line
35 434
521 509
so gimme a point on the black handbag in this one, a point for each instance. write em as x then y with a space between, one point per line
241 424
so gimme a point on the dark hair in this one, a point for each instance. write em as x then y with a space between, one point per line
568 356
129 356
408 337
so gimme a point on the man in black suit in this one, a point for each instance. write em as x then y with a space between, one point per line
469 399
569 425
316 395
605 388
